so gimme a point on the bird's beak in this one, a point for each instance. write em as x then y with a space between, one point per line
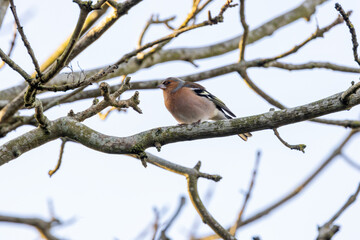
162 86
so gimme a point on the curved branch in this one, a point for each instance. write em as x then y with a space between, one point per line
192 175
201 209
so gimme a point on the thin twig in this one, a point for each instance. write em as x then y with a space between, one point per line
318 33
5 58
29 96
351 29
272 101
156 223
153 21
57 167
86 41
328 230
25 40
247 196
351 162
211 21
304 184
313 65
242 42
171 221
12 44
127 56
299 147
89 22
191 14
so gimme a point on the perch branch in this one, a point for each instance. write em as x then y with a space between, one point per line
71 127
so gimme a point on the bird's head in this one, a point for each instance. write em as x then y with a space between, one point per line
171 84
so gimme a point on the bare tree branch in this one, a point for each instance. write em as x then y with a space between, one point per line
87 40
337 151
328 230
12 44
201 209
44 227
355 43
165 135
351 162
24 39
304 10
243 39
57 167
247 195
171 221
299 147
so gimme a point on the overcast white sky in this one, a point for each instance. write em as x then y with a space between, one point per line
113 196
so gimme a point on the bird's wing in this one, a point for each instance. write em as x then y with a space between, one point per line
218 103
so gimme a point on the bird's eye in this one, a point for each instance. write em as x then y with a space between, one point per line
166 83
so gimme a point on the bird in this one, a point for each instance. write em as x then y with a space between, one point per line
190 103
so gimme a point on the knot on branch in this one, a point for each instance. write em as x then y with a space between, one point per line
85 5
326 232
39 114
29 97
143 157
220 17
346 95
158 146
105 91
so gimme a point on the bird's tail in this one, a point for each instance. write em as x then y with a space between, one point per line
245 136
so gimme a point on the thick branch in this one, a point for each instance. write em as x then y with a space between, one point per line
68 127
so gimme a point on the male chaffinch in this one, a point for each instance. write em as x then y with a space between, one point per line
190 103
